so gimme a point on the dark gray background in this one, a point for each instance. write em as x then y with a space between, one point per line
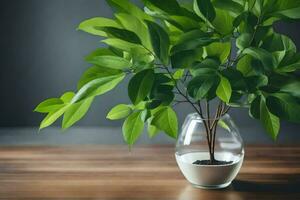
42 56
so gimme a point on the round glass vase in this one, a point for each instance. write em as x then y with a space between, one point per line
194 157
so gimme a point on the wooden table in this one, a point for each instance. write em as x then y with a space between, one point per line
111 172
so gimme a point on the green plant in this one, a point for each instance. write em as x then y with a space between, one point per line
189 52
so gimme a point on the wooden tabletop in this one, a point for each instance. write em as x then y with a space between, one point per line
148 172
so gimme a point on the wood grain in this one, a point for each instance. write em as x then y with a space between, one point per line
148 172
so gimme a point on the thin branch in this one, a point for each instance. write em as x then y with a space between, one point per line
173 79
200 108
186 76
199 111
207 112
206 126
226 110
216 115
180 101
214 128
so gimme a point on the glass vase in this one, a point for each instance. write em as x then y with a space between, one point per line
213 164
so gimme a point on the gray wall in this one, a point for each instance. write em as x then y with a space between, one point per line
42 56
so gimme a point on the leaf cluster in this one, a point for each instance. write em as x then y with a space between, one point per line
198 50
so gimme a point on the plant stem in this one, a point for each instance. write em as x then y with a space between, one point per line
209 133
214 128
216 115
206 127
207 124
208 113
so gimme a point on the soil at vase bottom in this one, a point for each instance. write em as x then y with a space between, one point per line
215 162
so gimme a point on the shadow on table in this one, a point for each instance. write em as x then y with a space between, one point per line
249 186
240 189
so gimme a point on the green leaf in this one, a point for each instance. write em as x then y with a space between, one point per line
256 6
278 42
97 87
162 79
151 129
140 106
264 56
270 122
163 93
254 110
192 44
246 21
223 124
284 106
49 105
224 90
169 6
190 35
160 41
243 41
125 6
140 86
182 20
118 112
67 97
183 23
292 87
122 34
261 33
52 117
236 79
202 85
145 115
96 72
223 22
99 52
204 9
289 65
92 25
166 120
202 71
244 65
132 128
55 112
255 82
207 66
281 46
125 46
185 59
236 100
286 83
219 50
131 23
230 5
154 103
112 62
178 74
191 40
75 112
285 9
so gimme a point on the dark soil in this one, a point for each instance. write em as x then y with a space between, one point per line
215 162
